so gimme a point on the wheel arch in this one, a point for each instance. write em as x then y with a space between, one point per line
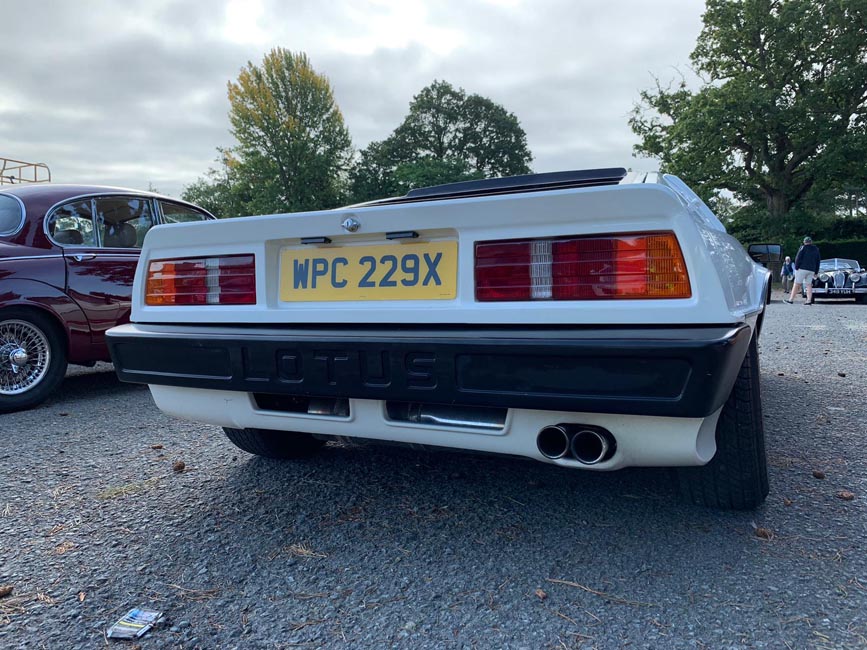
35 308
767 301
65 314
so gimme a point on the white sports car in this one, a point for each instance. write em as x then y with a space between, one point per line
592 319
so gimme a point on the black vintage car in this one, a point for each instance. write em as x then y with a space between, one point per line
839 278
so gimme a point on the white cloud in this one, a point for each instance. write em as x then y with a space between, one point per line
135 92
244 20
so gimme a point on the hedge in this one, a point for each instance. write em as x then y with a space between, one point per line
850 249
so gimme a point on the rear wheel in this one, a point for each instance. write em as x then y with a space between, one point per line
32 358
736 478
274 444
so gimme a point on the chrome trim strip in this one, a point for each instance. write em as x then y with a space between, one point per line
156 209
32 257
124 192
60 204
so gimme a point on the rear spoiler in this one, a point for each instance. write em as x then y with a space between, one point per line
511 185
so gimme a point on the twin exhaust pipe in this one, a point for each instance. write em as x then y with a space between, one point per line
587 444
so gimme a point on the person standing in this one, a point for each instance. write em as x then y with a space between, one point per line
787 273
806 267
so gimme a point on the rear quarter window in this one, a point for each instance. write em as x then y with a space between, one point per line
11 215
174 213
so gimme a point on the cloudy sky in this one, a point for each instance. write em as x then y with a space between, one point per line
134 93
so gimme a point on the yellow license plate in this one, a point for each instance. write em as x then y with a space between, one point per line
400 271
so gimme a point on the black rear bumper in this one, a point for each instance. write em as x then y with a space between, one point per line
668 371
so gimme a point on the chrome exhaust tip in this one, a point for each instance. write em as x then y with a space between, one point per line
553 441
589 446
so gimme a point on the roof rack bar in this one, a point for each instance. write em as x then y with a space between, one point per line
13 172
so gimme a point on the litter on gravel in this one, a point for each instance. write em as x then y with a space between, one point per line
134 624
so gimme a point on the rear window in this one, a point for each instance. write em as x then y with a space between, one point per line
11 215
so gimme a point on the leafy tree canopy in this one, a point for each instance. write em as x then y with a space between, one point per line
293 148
222 191
447 136
782 114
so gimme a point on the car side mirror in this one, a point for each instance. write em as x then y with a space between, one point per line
764 253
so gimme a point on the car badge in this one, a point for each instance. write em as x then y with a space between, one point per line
351 224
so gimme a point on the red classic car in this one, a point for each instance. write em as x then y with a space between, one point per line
67 258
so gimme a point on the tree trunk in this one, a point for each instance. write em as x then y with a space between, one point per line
778 204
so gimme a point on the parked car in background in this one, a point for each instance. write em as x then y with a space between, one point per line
67 260
593 319
839 278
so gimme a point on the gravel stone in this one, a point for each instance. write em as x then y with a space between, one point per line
435 550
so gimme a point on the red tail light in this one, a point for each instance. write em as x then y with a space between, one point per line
226 280
629 266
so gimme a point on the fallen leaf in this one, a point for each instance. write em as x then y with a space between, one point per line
540 593
787 502
764 533
5 590
179 466
846 495
156 446
63 547
817 473
81 596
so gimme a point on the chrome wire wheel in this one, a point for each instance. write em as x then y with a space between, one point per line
25 356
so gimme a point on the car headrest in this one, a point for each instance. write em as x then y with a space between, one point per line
71 237
119 235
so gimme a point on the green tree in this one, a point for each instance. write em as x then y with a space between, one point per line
291 135
373 174
782 110
447 136
221 191
293 148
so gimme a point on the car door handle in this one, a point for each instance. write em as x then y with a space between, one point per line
81 257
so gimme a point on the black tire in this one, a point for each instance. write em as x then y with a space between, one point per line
736 478
862 300
38 340
274 444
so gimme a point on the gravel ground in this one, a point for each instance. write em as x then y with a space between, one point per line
373 547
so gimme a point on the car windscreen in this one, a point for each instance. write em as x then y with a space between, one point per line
11 215
838 265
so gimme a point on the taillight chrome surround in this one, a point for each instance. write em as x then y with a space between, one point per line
646 265
217 280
